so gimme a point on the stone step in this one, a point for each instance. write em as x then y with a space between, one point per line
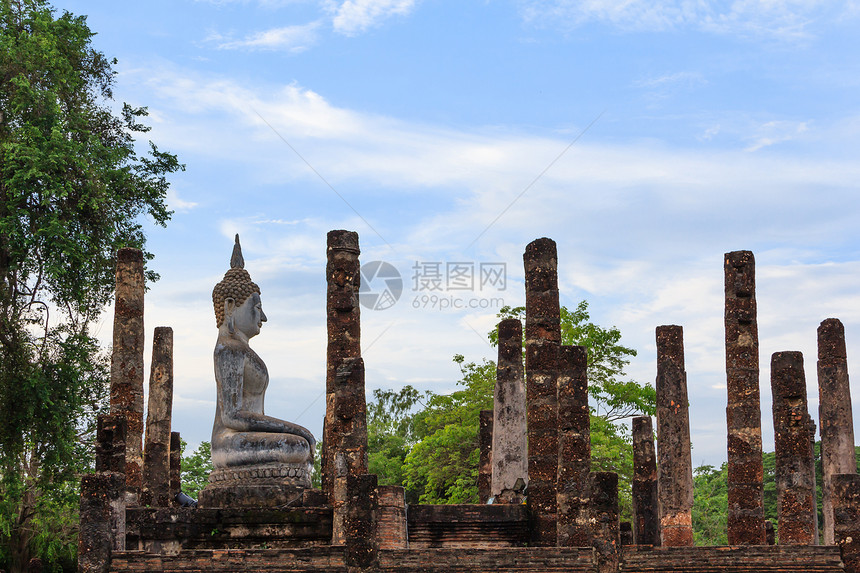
499 560
321 559
810 559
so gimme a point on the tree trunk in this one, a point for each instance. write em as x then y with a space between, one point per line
22 530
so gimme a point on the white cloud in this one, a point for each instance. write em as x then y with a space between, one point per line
293 39
177 204
783 19
774 132
354 16
677 78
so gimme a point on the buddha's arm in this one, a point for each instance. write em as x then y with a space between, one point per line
229 373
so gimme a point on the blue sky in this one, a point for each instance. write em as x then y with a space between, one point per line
646 138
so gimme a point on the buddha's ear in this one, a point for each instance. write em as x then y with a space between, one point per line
229 307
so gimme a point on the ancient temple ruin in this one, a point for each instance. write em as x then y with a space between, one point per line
538 434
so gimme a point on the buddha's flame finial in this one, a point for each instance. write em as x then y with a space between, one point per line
237 261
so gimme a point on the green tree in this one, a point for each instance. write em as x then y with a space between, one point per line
442 466
391 433
196 468
710 505
72 189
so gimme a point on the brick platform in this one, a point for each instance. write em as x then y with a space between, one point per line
184 528
747 559
731 559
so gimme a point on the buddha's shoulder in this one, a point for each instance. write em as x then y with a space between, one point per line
231 349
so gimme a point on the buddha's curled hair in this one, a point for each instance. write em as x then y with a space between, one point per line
236 284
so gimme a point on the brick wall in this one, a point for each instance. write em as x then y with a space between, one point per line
467 526
208 528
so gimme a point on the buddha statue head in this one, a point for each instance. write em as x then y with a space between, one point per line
235 292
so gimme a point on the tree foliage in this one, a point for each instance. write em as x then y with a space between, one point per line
429 442
710 505
196 467
72 188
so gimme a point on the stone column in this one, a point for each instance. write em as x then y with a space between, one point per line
96 538
604 519
348 426
834 414
846 518
675 466
816 535
795 471
574 448
156 458
175 465
392 517
111 430
126 369
360 526
646 518
509 414
344 344
110 443
743 410
485 466
542 339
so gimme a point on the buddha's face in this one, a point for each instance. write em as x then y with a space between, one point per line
249 317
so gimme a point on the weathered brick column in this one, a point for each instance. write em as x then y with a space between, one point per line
675 466
646 514
126 370
846 519
816 535
100 494
348 434
111 430
574 448
156 457
834 414
392 525
509 414
604 520
345 405
542 339
175 465
795 471
743 410
485 466
360 526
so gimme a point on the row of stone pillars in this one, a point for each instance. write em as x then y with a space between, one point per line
553 400
127 473
794 429
568 504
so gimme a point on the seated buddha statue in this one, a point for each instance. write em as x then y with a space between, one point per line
248 446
